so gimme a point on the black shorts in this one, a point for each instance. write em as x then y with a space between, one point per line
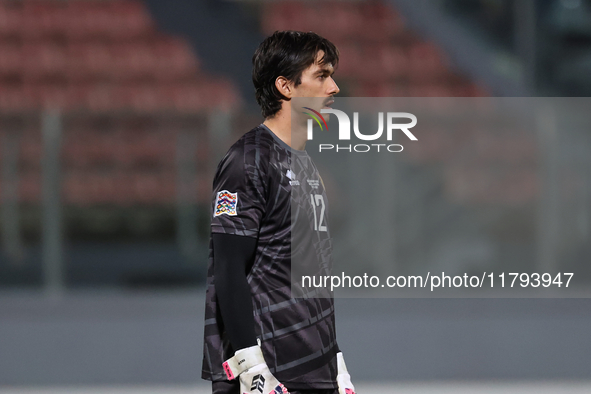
233 387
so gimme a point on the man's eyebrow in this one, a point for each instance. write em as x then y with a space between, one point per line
325 71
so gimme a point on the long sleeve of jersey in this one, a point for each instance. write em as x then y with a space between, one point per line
233 256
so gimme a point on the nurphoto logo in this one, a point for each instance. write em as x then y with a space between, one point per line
394 121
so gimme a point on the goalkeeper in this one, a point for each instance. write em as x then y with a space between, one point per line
258 337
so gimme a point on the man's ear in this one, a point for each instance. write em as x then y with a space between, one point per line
284 87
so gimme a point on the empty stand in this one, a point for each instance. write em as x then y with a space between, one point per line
97 55
379 55
109 57
105 57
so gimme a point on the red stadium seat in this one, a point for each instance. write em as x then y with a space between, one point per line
436 146
290 15
88 148
43 59
146 150
426 62
76 26
14 99
74 188
103 97
52 96
89 19
31 150
130 19
221 94
486 185
392 60
11 59
91 187
188 97
30 187
380 21
132 61
44 19
174 59
11 19
342 23
151 188
380 89
89 60
144 98
350 61
470 90
74 152
430 90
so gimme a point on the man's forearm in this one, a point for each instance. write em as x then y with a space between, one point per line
232 255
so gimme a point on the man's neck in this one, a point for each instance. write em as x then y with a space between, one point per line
281 126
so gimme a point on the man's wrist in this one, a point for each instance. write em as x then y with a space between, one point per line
243 360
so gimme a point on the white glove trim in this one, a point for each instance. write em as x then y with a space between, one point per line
243 359
343 377
341 367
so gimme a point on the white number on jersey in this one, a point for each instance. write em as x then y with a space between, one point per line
318 201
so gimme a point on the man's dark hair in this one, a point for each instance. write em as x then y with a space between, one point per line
286 54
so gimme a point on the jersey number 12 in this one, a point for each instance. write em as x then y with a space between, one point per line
318 201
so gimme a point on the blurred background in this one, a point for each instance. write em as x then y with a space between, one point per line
114 114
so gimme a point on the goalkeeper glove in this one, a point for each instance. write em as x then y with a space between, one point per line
343 377
249 366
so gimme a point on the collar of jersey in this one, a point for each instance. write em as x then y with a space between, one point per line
283 144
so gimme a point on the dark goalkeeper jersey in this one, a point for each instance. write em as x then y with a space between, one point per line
256 185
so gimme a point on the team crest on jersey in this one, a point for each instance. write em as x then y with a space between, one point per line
226 203
314 183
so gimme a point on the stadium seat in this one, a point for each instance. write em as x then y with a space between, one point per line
30 187
430 90
43 59
89 61
130 19
392 61
44 19
380 22
380 89
52 95
350 62
174 59
13 98
11 60
103 97
290 15
191 97
486 185
31 150
426 62
342 25
88 19
11 19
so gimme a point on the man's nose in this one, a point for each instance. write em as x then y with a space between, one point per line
333 88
